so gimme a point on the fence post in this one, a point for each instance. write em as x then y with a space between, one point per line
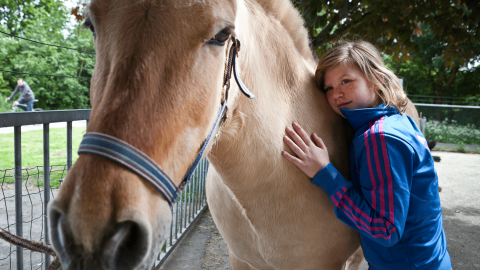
423 121
69 145
46 184
18 191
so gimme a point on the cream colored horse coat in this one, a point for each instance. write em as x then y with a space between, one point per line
269 213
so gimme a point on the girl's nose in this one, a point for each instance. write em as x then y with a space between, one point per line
336 93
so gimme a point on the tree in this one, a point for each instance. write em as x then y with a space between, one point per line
394 25
18 14
24 56
430 73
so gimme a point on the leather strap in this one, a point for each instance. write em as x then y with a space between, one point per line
129 156
132 158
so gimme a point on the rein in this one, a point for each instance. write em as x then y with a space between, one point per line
33 246
132 158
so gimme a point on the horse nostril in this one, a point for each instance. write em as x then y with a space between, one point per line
60 235
127 248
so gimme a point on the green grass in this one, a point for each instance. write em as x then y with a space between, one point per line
32 154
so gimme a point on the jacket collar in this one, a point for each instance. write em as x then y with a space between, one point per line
359 117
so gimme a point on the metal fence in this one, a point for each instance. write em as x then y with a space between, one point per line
191 203
25 192
463 115
464 101
451 123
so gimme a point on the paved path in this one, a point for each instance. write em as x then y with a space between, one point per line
202 248
454 145
459 177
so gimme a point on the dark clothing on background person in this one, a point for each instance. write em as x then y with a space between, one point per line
26 105
26 93
26 96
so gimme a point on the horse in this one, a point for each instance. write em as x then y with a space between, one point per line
158 84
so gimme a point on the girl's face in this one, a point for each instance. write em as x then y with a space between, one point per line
346 87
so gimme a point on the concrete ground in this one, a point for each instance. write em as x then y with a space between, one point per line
459 175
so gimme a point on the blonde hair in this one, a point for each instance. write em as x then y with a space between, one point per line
366 58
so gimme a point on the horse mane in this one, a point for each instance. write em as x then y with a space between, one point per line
289 17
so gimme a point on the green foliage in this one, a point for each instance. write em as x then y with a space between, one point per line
393 25
451 132
461 147
4 106
19 14
429 73
49 26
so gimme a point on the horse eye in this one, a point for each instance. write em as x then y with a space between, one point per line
220 38
88 24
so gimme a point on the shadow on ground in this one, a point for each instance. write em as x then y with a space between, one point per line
463 237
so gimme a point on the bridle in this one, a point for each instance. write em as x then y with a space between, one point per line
132 158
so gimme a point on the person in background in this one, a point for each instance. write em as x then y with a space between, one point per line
26 96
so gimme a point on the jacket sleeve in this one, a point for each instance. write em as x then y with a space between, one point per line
384 167
14 92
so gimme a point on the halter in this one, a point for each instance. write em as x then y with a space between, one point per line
132 158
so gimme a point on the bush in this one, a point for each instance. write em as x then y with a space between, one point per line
449 131
4 106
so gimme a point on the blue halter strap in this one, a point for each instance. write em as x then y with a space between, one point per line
132 158
129 156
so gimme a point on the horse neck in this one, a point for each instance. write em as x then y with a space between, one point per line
248 153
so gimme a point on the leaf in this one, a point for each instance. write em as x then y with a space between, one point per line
74 12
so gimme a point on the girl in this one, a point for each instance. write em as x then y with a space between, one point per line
392 199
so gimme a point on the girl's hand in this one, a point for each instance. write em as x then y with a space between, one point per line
311 156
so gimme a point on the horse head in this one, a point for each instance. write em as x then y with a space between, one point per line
157 85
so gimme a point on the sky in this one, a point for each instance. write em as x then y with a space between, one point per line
70 4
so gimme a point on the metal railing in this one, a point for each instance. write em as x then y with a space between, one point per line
463 115
185 212
451 123
17 120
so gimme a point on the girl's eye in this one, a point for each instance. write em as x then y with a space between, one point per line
345 81
328 89
220 38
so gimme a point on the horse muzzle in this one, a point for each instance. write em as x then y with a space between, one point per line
126 245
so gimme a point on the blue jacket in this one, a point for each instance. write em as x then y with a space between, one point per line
393 198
